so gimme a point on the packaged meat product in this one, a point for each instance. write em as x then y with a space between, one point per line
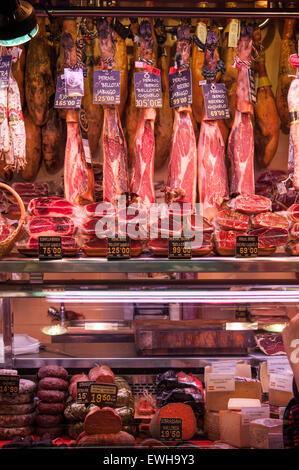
51 396
224 242
31 189
50 408
277 186
29 247
52 383
252 204
48 421
270 237
100 209
159 246
269 219
232 220
175 410
50 207
15 409
98 247
120 439
53 371
91 228
9 433
293 212
50 226
15 421
270 343
101 374
102 421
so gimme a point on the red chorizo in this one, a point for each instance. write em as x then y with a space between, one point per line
52 371
50 408
52 383
51 396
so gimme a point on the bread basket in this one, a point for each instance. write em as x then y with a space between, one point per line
7 244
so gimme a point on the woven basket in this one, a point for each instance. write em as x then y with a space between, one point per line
7 244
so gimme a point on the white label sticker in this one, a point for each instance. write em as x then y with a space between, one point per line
220 383
86 149
224 367
201 32
256 412
281 382
281 188
74 82
278 365
233 34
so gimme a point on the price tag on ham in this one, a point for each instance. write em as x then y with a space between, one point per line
246 246
220 382
251 84
180 88
74 83
106 87
118 248
9 384
62 100
83 391
102 394
5 68
170 429
283 382
49 248
148 90
179 248
215 99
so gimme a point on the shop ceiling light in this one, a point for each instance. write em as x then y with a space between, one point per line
17 23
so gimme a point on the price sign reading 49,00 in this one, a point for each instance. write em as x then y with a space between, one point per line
9 384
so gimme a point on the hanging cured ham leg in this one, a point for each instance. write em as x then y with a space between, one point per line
241 140
212 174
142 184
78 177
115 173
293 103
182 166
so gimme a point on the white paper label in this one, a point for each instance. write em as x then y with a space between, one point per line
233 34
256 412
220 383
201 32
278 365
74 82
281 382
224 367
281 187
86 149
202 82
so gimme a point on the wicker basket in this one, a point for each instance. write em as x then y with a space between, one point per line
7 244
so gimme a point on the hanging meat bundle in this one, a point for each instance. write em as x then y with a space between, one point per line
182 165
266 131
241 140
142 183
115 170
230 76
212 174
78 177
293 104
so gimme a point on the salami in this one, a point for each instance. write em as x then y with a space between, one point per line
52 383
53 371
17 399
9 433
51 396
48 421
16 409
33 148
50 408
53 432
14 421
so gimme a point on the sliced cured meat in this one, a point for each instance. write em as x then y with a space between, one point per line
270 344
31 189
225 242
270 237
99 209
91 228
269 219
159 246
50 226
252 204
50 207
201 224
98 247
182 166
232 220
53 371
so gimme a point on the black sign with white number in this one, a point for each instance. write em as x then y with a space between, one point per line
170 429
5 68
102 394
215 99
9 384
83 391
118 248
251 83
180 88
106 87
62 100
49 248
148 90
246 246
179 248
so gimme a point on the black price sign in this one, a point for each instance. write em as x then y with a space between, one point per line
170 429
246 246
83 391
118 248
215 99
179 248
49 248
9 384
148 90
180 88
102 394
251 84
106 87
5 68
62 100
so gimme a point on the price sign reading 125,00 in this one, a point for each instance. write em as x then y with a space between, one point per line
102 394
118 248
9 384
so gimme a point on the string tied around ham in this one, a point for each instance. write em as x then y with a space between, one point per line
238 62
